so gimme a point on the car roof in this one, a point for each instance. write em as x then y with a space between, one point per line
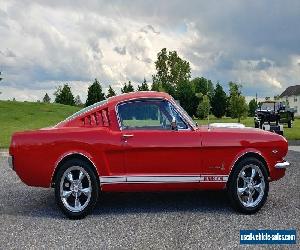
138 94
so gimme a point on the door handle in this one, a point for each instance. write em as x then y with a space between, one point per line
126 136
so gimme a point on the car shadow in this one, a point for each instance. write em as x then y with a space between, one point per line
41 203
156 202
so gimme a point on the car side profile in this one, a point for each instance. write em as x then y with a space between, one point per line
145 141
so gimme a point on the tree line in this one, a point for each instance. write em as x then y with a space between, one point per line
199 96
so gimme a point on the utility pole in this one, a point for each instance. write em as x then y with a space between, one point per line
0 80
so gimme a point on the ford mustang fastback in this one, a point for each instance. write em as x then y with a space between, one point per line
145 141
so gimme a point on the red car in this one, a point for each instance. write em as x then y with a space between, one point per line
144 141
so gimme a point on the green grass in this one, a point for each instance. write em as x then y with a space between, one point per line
19 116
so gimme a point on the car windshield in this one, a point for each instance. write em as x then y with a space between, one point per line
267 106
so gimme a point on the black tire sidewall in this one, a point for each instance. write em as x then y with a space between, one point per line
232 186
95 188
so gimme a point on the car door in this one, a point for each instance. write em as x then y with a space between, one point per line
153 151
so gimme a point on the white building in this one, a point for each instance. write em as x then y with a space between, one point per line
291 96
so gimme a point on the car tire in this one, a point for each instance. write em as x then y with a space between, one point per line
248 186
256 125
76 188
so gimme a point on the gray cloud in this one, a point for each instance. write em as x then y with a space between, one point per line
149 28
120 50
46 43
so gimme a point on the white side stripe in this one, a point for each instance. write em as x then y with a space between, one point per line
163 179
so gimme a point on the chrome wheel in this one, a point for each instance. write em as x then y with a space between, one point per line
75 189
250 185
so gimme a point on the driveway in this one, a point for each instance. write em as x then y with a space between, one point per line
29 217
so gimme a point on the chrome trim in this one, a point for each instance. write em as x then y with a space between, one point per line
152 98
284 164
10 162
162 179
68 154
247 152
112 179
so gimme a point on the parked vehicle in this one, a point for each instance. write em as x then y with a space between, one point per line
273 113
145 141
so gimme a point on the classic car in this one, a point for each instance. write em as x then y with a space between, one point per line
145 141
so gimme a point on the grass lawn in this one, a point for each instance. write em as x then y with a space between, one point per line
18 116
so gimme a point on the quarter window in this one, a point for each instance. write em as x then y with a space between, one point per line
149 115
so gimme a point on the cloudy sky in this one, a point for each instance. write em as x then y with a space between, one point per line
47 43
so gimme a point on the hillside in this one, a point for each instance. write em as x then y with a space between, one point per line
18 116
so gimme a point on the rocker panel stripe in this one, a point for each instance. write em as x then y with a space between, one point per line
163 179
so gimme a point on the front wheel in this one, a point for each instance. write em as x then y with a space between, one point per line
248 186
76 189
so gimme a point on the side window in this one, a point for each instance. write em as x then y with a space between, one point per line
180 123
150 115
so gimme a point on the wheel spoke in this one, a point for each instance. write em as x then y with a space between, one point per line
66 194
86 191
253 173
258 187
245 179
250 198
241 190
77 203
70 177
81 176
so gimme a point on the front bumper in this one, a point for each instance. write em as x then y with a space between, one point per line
281 165
11 162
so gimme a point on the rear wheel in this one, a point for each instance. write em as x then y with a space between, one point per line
248 186
76 189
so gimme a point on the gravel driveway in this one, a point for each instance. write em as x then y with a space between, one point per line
29 217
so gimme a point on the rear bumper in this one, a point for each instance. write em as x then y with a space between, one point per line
281 165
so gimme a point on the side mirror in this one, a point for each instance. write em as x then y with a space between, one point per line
174 124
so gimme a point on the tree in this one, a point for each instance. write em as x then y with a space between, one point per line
110 92
127 88
252 107
218 102
63 95
144 86
95 93
78 101
237 103
170 71
203 107
46 98
203 86
276 97
187 98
